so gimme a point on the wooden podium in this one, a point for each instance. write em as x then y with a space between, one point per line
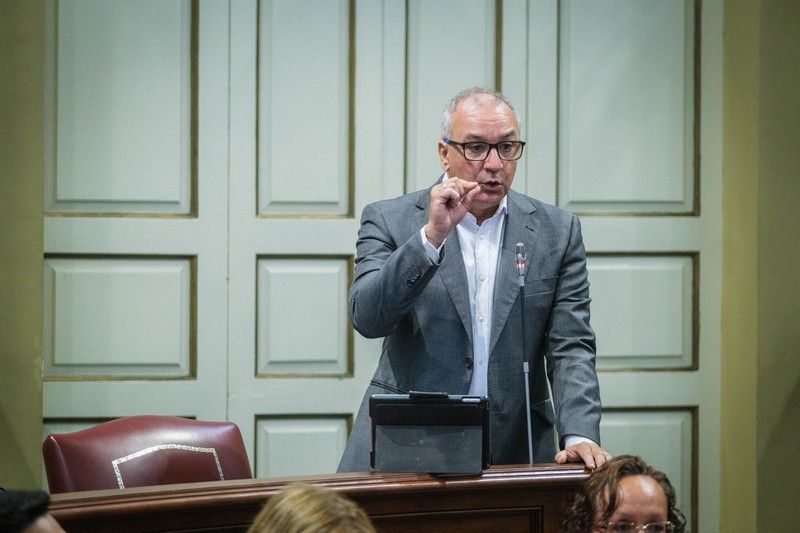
504 498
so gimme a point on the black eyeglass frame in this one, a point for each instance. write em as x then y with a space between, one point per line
668 526
460 146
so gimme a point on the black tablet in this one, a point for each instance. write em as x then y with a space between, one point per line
429 432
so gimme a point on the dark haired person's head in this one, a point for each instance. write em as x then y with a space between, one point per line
625 495
26 512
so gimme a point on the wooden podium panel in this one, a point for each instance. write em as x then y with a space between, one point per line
504 498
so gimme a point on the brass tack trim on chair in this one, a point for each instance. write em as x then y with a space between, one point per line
116 462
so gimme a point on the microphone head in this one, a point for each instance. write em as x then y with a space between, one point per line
520 253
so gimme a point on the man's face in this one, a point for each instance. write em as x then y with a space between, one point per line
482 118
641 500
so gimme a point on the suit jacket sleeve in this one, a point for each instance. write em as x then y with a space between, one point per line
391 271
571 345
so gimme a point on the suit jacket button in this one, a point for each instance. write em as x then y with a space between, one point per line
468 362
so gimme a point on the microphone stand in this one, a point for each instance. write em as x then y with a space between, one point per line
522 270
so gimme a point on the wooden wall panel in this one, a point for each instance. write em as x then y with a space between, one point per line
302 316
119 113
299 445
643 309
626 106
118 317
304 107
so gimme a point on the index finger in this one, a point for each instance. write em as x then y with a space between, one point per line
586 453
466 185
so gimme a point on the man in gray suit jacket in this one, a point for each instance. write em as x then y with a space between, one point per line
436 276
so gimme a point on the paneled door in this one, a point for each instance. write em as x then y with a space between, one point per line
135 264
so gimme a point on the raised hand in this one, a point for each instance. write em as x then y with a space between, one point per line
450 201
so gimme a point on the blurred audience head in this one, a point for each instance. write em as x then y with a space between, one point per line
625 495
23 511
301 508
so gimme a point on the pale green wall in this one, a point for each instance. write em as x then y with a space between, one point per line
778 266
761 289
738 467
21 149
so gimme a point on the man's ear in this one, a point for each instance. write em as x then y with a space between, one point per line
443 155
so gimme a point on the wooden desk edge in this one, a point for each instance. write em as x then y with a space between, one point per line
248 495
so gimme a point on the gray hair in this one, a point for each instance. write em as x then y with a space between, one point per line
450 107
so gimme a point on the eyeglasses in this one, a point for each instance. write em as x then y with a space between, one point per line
630 527
479 151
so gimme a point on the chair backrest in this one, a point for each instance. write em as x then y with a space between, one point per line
135 451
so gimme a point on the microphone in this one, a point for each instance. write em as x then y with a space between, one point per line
522 268
521 256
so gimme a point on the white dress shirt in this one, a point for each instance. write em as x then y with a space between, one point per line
480 249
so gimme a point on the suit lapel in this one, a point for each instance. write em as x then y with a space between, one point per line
454 276
452 271
521 226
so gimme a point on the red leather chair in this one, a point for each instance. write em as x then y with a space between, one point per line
135 451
